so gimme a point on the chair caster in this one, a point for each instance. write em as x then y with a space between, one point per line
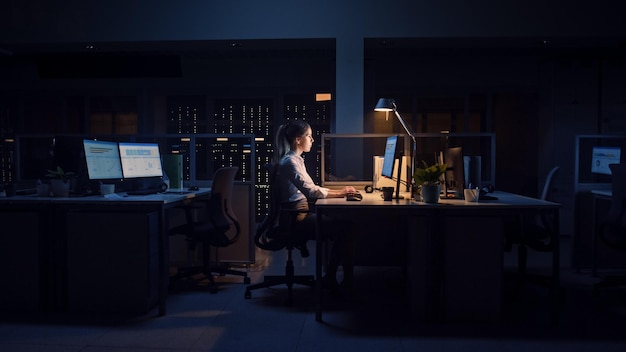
246 280
247 295
213 289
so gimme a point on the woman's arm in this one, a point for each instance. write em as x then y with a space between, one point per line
340 193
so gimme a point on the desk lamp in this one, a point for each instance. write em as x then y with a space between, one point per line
386 104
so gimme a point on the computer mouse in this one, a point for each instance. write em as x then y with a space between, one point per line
193 188
356 196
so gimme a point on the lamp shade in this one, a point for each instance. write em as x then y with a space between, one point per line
384 104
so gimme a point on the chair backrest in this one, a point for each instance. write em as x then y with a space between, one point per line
613 227
220 207
267 229
547 187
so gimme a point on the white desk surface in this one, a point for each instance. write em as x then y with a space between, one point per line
505 199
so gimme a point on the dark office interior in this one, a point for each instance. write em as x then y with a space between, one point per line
547 80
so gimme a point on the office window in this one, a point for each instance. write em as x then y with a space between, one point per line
7 162
318 115
186 114
246 116
113 115
189 114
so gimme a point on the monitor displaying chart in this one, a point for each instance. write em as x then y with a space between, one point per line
140 160
103 160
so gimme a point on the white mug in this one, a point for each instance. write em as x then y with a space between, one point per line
107 189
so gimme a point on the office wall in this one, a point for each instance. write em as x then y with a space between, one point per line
569 97
86 22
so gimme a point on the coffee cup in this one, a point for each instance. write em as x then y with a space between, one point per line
387 193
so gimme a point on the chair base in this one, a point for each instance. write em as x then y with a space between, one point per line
276 280
188 272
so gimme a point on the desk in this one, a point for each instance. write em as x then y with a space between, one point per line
431 240
47 234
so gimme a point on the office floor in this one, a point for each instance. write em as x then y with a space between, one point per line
374 319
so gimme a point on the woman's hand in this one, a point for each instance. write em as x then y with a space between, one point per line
350 189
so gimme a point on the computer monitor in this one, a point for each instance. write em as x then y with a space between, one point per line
602 157
389 156
455 171
389 160
103 160
140 160
68 153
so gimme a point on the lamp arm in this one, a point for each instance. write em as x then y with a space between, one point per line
406 127
408 131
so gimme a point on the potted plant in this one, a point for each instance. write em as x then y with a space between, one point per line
428 178
60 181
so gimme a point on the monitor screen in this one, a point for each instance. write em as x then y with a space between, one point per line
390 156
455 170
140 160
103 160
602 157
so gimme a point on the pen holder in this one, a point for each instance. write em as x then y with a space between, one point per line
471 194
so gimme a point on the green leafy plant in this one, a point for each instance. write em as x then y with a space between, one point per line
429 175
59 174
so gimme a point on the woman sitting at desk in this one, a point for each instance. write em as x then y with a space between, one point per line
297 188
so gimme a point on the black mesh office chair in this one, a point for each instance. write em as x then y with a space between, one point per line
532 233
612 229
277 232
218 227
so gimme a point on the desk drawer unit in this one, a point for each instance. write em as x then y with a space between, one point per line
112 261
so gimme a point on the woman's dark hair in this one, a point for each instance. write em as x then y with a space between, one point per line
286 135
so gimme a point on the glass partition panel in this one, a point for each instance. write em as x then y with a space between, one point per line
348 159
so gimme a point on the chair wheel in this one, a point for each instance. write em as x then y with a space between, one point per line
247 295
246 280
213 289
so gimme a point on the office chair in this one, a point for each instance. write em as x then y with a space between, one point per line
612 229
213 230
532 233
277 232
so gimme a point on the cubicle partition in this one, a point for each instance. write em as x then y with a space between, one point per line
347 159
592 188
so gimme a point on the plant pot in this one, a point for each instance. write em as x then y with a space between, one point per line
60 188
430 193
